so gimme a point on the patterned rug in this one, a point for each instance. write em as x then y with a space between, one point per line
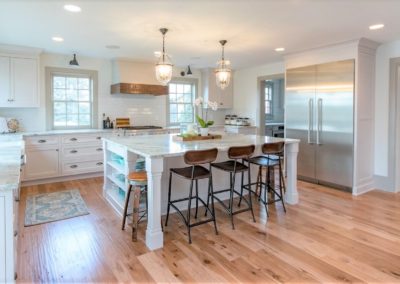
55 206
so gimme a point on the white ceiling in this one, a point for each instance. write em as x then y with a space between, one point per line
253 28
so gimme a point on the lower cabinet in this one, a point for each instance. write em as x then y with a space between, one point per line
42 162
62 155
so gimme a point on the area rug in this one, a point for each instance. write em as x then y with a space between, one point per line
54 206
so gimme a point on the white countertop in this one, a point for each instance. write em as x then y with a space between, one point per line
11 148
163 145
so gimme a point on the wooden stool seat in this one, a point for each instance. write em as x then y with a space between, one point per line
137 177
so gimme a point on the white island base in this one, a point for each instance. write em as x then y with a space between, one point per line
161 154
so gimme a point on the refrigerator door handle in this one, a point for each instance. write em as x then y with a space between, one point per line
310 120
319 120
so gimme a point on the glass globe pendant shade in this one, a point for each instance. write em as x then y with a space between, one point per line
163 71
222 76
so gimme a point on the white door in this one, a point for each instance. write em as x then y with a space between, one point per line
41 163
24 82
5 81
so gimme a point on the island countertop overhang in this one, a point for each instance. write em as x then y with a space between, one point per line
163 145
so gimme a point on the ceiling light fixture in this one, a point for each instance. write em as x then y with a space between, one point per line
57 39
72 8
223 72
74 62
164 64
279 49
376 27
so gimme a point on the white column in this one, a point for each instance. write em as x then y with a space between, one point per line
154 234
291 150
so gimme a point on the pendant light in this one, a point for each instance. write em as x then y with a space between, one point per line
223 72
164 65
74 62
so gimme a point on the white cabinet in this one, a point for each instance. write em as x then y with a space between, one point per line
42 162
212 92
51 156
19 79
246 130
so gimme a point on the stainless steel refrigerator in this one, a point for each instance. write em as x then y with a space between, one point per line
319 111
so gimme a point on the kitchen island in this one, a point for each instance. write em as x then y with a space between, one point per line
162 153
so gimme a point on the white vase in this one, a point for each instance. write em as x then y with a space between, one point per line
203 131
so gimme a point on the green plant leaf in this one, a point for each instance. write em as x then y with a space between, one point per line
201 121
209 123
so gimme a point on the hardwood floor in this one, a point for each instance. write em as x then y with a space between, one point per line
330 236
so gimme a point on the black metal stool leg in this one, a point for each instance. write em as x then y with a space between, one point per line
266 188
197 198
249 189
211 188
188 213
241 189
128 194
169 199
281 185
231 198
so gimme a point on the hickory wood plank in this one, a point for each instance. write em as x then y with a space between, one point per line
330 236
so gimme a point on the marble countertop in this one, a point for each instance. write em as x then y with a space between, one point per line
164 146
11 148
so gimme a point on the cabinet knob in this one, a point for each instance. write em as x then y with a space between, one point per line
99 149
73 151
15 233
42 141
15 275
73 139
73 166
98 138
99 163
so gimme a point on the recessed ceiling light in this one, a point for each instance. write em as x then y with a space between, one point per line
280 49
112 46
376 27
72 8
57 39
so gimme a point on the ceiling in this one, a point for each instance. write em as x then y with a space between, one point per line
253 28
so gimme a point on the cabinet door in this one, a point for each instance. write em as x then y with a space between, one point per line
24 82
4 81
3 240
41 163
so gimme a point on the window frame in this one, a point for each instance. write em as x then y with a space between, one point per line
194 83
66 72
269 84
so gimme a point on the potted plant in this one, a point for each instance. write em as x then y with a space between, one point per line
203 119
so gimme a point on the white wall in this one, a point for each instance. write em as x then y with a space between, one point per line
142 109
384 53
246 97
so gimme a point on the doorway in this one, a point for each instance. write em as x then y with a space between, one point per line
272 105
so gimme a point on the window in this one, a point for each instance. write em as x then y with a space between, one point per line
268 97
71 100
180 102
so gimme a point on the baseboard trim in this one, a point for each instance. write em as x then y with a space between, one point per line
60 179
364 187
384 183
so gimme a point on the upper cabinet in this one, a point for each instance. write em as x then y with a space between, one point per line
212 92
19 81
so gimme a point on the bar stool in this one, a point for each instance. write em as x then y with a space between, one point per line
193 173
138 184
273 156
233 166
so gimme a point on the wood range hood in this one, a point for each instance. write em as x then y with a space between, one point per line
139 89
135 78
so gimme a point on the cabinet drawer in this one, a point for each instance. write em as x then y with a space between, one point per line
71 168
86 138
83 152
41 140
